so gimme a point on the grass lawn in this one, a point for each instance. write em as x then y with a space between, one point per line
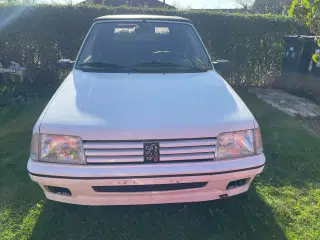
283 203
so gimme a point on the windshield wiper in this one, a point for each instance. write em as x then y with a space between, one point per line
158 65
104 66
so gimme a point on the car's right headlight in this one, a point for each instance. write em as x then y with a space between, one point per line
57 149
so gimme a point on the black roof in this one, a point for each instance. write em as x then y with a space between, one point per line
142 17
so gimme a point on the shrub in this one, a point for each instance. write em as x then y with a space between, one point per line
37 36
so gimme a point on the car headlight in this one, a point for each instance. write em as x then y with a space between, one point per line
239 144
57 149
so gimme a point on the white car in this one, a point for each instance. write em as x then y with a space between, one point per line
144 118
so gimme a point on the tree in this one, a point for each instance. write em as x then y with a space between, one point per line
261 6
308 12
268 6
245 4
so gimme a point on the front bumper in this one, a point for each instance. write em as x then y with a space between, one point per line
81 179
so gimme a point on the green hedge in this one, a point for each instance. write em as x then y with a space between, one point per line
37 36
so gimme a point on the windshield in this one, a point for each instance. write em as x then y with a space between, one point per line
143 47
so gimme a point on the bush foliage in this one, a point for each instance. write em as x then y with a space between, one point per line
39 35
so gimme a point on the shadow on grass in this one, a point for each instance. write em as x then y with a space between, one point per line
18 195
240 217
20 198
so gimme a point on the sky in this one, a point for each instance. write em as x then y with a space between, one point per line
204 3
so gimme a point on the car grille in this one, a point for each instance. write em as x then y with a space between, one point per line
132 151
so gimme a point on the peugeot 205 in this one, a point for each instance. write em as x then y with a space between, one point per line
144 118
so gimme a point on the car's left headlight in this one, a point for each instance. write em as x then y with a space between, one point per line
239 144
57 149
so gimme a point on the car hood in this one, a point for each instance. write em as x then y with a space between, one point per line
113 106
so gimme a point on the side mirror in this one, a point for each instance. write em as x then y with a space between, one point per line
222 65
65 64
